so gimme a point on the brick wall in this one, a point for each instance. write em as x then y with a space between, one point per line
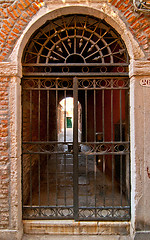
14 17
4 152
138 23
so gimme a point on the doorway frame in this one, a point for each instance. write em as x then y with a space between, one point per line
138 69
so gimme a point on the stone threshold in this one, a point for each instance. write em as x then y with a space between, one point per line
75 237
70 227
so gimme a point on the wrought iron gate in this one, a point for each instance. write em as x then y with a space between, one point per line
81 180
80 173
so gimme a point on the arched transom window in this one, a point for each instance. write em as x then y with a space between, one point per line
88 42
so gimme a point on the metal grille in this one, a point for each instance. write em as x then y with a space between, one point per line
75 45
79 172
71 179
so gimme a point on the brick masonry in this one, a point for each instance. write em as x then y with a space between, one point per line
4 153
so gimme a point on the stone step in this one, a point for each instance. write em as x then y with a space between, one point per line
59 237
84 229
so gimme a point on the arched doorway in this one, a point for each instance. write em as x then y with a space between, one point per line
81 57
65 120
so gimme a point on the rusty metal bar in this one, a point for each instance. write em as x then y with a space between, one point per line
120 115
65 116
121 180
39 163
48 117
78 74
86 127
103 114
75 146
30 115
104 182
30 154
56 109
95 169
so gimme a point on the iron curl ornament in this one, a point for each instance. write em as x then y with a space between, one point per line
142 5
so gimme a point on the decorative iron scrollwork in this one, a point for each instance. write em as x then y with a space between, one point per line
142 5
47 212
104 213
74 39
83 83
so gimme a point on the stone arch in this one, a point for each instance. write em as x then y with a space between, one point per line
76 10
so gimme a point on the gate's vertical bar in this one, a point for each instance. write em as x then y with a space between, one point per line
86 115
121 182
112 185
56 144
30 115
94 111
65 139
65 116
103 127
56 113
112 124
39 112
47 138
112 132
120 115
86 142
103 114
39 168
75 146
31 141
95 173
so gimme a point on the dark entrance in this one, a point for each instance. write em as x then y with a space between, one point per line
87 178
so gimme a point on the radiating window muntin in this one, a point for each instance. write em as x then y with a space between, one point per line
75 38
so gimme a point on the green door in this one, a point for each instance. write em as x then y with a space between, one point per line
69 122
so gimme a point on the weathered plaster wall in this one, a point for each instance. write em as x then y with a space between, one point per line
140 137
10 161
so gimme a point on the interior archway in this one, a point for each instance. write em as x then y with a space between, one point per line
65 120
